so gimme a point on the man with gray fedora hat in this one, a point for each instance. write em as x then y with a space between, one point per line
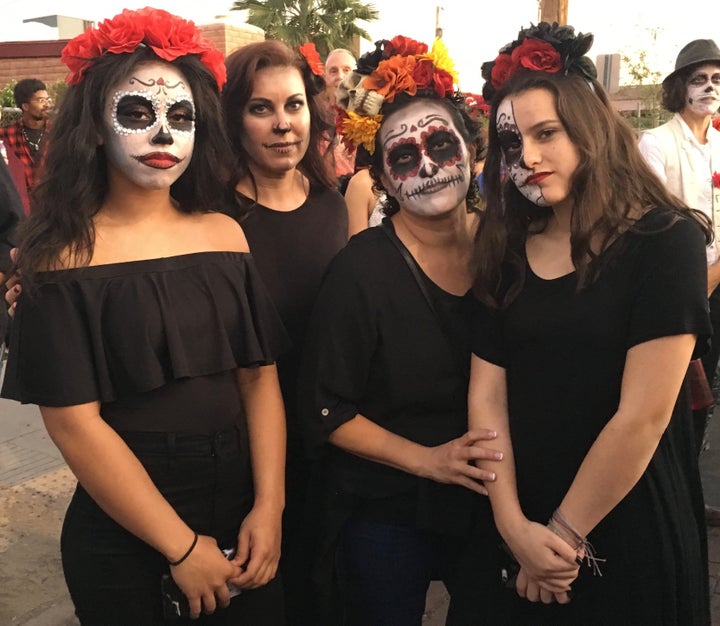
685 154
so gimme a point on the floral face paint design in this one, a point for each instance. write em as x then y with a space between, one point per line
427 164
511 144
703 90
150 125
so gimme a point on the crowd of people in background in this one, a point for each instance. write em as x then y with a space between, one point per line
313 335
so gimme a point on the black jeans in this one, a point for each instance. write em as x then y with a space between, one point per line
114 577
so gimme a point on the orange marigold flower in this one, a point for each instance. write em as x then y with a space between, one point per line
392 76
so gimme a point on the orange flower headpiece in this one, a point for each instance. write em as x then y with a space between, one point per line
398 65
543 48
167 35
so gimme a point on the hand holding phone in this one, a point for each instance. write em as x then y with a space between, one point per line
175 604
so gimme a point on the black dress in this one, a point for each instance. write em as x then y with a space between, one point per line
157 342
292 250
376 348
564 353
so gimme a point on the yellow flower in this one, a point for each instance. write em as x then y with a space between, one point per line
361 129
441 59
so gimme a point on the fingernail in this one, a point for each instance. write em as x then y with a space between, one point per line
492 476
498 456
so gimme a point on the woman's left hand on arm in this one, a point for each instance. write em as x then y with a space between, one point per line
258 550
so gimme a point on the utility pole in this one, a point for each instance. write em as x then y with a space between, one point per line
438 29
553 11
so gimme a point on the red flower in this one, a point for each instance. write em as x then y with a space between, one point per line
313 58
503 68
443 83
477 105
121 34
716 123
169 37
79 53
423 74
716 179
537 55
405 46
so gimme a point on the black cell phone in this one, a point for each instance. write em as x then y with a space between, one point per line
509 567
175 604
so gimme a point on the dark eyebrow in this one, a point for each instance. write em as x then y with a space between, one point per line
543 123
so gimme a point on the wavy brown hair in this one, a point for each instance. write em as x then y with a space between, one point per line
611 188
242 66
74 181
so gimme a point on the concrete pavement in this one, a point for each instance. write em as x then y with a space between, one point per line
35 486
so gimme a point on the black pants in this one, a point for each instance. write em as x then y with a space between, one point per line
114 577
710 363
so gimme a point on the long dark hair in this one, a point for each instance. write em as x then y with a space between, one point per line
469 129
242 67
74 181
611 187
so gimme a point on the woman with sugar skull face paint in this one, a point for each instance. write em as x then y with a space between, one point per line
591 286
685 154
146 337
384 383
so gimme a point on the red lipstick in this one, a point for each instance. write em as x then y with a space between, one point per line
159 160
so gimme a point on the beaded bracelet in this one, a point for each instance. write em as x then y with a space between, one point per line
561 527
187 554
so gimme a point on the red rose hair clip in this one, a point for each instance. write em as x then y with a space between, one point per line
312 58
167 35
543 48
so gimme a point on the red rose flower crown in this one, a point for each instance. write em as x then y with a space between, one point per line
397 65
167 35
543 48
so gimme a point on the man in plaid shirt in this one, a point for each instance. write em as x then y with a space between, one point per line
25 140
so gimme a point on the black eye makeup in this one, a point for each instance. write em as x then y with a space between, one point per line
138 112
181 116
442 146
698 80
404 157
135 112
511 145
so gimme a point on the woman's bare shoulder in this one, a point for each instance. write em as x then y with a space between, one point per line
223 232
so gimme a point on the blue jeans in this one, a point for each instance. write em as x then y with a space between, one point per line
386 570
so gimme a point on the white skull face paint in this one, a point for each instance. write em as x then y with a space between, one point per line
511 144
427 163
150 125
703 90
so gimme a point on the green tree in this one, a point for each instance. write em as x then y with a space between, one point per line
327 23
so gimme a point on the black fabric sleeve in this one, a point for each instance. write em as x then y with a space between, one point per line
671 296
487 334
51 358
341 340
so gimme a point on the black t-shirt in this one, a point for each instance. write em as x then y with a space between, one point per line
292 250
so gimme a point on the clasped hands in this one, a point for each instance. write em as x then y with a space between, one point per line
548 564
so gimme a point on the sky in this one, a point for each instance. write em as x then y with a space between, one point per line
473 32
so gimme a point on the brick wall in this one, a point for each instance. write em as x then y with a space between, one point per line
41 59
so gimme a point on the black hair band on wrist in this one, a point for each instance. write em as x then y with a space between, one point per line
187 554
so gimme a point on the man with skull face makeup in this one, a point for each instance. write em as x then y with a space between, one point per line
591 282
685 154
146 337
384 382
